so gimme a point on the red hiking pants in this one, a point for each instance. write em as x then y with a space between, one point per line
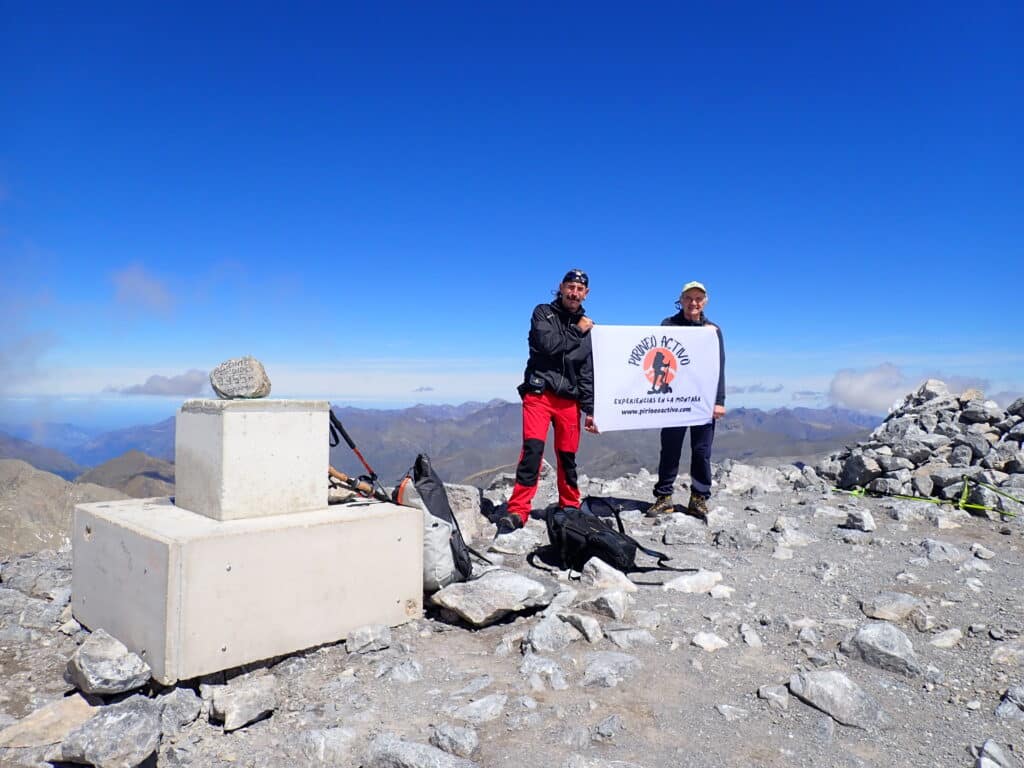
540 412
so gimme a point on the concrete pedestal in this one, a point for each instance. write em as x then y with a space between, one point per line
251 458
193 595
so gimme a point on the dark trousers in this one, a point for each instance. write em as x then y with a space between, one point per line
540 412
701 437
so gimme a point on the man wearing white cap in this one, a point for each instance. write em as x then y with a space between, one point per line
692 300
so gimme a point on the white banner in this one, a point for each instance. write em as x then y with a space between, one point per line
648 377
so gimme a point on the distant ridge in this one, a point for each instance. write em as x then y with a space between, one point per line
157 440
40 457
473 441
36 507
135 474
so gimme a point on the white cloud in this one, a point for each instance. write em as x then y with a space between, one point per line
193 382
20 358
876 389
136 287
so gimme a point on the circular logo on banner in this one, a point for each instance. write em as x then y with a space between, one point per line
660 367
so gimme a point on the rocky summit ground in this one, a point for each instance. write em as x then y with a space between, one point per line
821 628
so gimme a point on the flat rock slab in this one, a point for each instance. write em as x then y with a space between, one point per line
709 641
104 665
494 595
694 583
240 378
608 668
882 645
48 725
180 707
518 542
1011 654
598 574
454 739
948 639
389 751
482 710
614 604
119 736
890 606
550 635
368 638
239 704
839 697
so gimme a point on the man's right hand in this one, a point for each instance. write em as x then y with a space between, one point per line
585 324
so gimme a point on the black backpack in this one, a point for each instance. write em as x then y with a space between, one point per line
576 535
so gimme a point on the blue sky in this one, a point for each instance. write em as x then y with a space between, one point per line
372 199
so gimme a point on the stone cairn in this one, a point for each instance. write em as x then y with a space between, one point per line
240 378
931 441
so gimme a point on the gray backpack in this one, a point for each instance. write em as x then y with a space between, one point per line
446 556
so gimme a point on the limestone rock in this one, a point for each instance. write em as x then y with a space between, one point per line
122 735
179 707
1012 705
389 751
454 739
536 669
240 378
688 530
942 552
401 671
738 538
518 542
607 669
694 583
241 703
860 520
947 639
494 595
614 604
777 696
992 755
859 470
882 645
368 638
709 641
321 747
482 710
550 635
839 697
104 665
630 638
1010 654
465 503
587 626
598 574
891 606
49 724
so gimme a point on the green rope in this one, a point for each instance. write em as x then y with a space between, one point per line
960 503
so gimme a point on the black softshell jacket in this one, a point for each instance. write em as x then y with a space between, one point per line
680 319
560 356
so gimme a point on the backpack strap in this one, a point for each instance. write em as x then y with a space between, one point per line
661 557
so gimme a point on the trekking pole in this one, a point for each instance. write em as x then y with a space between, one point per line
338 433
361 487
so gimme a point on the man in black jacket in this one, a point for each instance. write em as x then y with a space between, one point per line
558 385
692 301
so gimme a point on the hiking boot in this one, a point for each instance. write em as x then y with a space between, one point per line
509 522
698 506
662 506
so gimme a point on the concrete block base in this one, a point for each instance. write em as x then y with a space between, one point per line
251 458
192 595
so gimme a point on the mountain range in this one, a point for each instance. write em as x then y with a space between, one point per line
471 442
